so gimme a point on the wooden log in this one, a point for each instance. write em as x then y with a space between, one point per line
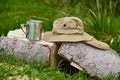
94 61
17 45
24 49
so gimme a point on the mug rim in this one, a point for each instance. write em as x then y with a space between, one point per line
35 21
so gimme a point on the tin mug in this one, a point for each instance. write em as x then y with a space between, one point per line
33 29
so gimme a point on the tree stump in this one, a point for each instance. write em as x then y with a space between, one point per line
94 61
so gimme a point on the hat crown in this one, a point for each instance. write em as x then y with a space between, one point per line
68 25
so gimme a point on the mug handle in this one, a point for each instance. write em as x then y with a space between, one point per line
24 25
21 26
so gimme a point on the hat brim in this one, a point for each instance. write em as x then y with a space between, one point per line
52 37
98 44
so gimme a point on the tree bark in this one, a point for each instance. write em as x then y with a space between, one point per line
25 50
17 45
94 61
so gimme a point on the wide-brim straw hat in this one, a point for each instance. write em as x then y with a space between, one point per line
70 29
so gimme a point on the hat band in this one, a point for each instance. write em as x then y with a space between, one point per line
68 31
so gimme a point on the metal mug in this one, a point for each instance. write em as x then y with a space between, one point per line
33 29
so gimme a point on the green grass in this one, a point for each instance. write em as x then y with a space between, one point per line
12 67
13 13
101 19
